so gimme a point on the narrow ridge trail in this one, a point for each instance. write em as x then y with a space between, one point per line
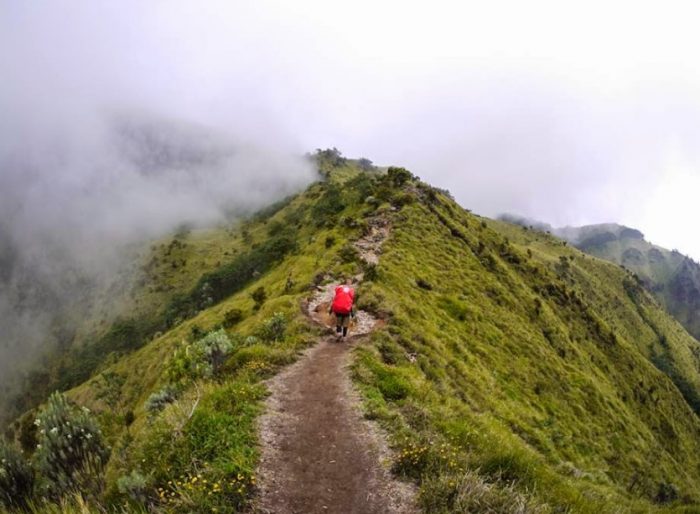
319 455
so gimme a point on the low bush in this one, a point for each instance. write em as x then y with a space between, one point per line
159 400
201 359
232 317
348 253
273 328
424 284
398 176
259 296
16 477
134 486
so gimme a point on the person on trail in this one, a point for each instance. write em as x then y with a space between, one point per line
342 307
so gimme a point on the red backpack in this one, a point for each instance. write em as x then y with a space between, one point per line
342 302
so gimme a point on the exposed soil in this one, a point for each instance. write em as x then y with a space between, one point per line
319 455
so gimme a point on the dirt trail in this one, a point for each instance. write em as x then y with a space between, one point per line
319 455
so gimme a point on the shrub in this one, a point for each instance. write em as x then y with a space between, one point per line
371 200
401 199
16 477
259 296
328 206
129 418
666 493
398 176
201 359
329 158
348 253
424 284
135 486
365 164
273 328
330 241
159 400
196 332
213 348
250 341
275 228
370 272
71 453
232 317
109 388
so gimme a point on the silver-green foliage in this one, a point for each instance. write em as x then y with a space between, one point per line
16 476
211 351
157 401
201 359
135 486
273 328
71 452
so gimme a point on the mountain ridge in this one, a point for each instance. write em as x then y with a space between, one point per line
511 372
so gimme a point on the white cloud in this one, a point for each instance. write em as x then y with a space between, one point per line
560 110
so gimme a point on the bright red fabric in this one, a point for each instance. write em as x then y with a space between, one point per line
342 302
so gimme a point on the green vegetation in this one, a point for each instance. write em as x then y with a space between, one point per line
16 477
513 373
673 278
533 367
69 459
71 453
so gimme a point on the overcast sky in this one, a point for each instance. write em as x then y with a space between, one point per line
569 112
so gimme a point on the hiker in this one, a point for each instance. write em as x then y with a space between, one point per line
342 307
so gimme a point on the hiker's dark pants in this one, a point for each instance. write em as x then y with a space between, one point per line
342 322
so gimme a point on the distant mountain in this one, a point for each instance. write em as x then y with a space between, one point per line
674 278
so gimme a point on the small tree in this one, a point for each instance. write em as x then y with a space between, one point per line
365 164
399 176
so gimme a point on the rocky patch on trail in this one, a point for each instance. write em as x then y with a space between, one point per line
369 246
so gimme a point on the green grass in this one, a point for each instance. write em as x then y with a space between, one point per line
513 373
538 374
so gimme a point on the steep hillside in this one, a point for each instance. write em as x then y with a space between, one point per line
512 372
673 277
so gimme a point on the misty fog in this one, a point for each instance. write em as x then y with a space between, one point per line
73 201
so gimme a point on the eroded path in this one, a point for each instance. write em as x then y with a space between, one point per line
319 455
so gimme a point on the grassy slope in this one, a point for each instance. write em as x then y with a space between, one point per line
563 402
505 380
219 440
